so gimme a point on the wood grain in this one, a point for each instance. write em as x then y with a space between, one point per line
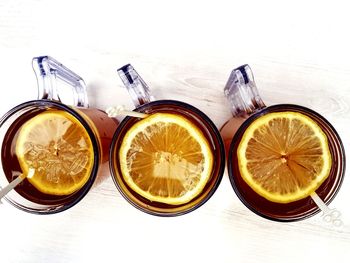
185 51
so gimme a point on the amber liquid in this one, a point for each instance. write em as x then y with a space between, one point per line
294 210
104 128
101 125
210 132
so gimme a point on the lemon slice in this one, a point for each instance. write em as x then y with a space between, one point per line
58 147
284 156
166 158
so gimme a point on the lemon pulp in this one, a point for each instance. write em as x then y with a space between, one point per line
166 158
56 145
284 156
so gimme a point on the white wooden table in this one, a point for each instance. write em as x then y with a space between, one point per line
185 50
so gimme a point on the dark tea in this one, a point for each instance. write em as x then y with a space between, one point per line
167 163
66 148
280 155
296 209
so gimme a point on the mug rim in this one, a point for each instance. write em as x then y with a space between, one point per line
87 186
241 130
221 160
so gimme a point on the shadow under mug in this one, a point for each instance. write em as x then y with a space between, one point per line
140 94
54 79
247 106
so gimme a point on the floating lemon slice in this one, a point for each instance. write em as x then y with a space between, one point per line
166 158
58 147
284 156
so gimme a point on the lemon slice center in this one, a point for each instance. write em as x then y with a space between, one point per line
166 158
284 156
58 147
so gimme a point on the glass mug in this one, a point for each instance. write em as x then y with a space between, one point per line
246 107
56 83
144 103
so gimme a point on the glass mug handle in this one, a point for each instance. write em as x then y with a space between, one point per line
50 74
136 86
244 99
241 92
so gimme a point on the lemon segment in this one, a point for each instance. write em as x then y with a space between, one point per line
57 146
165 158
284 156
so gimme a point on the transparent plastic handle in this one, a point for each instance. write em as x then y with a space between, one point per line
136 86
242 93
51 74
